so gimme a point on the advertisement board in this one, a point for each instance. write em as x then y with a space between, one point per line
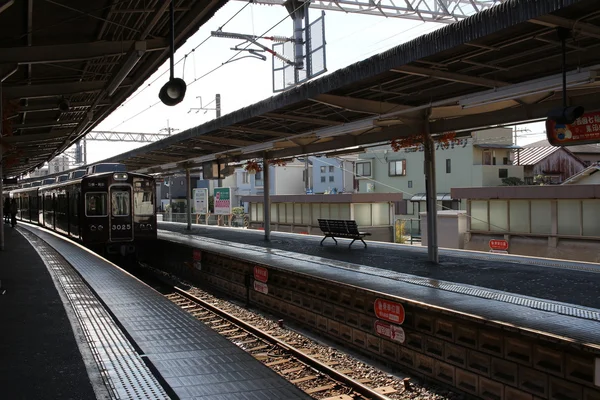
585 129
200 201
222 201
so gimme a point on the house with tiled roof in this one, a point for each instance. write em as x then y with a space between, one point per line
556 164
588 153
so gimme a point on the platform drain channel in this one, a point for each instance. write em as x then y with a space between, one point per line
122 369
531 302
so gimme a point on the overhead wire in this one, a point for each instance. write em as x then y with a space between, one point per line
184 57
212 70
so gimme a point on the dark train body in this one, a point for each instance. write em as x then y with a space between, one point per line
109 212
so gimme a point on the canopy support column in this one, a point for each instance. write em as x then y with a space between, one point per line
188 209
267 200
430 195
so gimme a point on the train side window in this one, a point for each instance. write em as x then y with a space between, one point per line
143 203
95 204
120 203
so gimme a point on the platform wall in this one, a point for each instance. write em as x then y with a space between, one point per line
472 355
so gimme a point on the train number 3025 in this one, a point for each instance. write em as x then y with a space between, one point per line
124 227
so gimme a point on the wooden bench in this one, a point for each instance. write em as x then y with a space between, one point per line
342 229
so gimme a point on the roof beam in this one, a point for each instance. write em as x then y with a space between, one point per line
39 137
358 105
54 107
73 52
316 121
52 89
449 76
44 124
243 129
225 141
554 21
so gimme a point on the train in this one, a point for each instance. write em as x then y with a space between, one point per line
111 212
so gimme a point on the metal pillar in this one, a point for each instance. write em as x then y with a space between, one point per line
431 196
189 199
1 188
218 104
297 9
1 176
267 201
170 199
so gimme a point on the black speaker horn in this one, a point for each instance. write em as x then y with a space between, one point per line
172 92
566 115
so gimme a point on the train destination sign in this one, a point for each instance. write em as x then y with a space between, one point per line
389 311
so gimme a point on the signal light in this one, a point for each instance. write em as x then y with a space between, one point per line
566 115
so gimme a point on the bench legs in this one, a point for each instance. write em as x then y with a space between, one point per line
350 245
326 236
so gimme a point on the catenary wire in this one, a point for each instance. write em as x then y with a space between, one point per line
209 72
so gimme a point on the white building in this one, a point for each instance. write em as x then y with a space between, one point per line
483 159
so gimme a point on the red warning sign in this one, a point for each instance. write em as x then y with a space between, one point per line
261 274
497 244
389 311
261 287
390 331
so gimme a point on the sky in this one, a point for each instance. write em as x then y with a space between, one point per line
350 38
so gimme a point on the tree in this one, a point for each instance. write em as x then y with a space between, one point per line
512 181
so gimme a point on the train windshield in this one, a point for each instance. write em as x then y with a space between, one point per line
120 203
143 203
95 204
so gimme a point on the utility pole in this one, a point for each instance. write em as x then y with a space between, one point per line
168 129
204 108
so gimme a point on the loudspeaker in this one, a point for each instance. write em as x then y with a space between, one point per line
64 105
566 115
173 92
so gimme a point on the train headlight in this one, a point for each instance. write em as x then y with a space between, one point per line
93 228
100 227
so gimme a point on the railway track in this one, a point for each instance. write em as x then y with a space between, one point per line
319 374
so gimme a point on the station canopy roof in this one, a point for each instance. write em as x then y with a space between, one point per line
67 64
499 66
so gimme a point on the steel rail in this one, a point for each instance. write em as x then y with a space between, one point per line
353 384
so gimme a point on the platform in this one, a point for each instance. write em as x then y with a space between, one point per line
528 276
39 351
188 358
516 294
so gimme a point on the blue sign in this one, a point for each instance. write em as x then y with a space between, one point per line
309 191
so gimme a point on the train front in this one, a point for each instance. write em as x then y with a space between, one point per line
130 216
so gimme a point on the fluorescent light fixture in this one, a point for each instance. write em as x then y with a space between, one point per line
343 129
5 4
168 166
203 159
353 150
131 59
258 147
537 86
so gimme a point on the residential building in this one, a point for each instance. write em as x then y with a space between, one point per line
482 159
588 153
58 164
333 175
555 164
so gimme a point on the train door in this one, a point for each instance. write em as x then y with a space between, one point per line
121 218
